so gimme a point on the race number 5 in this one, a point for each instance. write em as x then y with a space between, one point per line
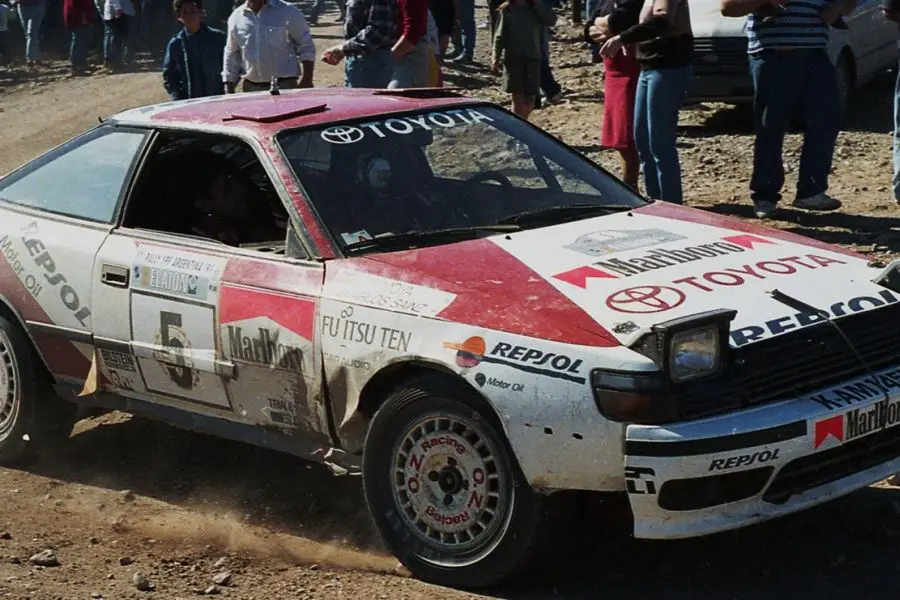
637 483
173 337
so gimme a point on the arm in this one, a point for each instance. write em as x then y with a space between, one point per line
376 33
624 14
304 44
231 65
545 13
740 8
835 9
404 44
659 23
171 75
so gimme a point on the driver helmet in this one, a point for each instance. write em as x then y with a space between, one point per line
373 170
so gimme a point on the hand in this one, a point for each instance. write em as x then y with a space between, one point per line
496 67
612 46
832 11
229 87
333 55
597 35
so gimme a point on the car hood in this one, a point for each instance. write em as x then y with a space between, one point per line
605 281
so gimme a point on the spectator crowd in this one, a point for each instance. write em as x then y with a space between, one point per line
645 47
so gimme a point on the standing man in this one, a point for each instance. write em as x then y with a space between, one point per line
369 35
191 67
791 70
268 38
464 37
893 14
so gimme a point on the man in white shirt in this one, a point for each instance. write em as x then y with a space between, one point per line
268 38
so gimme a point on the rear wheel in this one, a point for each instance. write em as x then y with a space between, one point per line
32 418
444 488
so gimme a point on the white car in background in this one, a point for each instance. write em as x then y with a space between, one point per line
721 67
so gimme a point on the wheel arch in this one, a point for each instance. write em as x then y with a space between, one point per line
375 392
8 311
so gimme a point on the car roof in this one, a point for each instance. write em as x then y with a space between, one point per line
265 114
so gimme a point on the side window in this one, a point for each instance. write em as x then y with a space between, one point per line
81 179
212 187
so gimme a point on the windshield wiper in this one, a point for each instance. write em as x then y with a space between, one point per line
435 235
560 214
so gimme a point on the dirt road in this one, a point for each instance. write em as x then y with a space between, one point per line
130 497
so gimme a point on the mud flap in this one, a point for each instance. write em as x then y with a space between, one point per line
91 381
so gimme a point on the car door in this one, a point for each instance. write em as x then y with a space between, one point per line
199 325
60 209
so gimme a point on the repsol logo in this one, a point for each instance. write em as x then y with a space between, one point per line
44 261
744 460
539 362
755 333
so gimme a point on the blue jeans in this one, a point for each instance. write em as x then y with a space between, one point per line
783 82
318 5
465 40
411 71
370 70
78 50
897 138
660 94
31 16
117 40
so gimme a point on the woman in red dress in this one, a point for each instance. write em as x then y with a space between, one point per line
621 74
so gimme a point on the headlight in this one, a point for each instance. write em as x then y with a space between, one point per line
694 353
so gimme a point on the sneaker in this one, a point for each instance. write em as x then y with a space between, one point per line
818 202
554 98
764 209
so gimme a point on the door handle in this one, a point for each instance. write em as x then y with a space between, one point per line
114 276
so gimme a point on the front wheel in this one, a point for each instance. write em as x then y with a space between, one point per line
444 488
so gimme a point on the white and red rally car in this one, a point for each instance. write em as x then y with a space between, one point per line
430 291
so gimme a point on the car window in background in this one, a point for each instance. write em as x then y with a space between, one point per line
448 168
81 179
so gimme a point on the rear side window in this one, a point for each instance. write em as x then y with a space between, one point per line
82 178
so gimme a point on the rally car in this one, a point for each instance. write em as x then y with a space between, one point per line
426 290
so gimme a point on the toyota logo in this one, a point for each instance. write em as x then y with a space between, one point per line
342 135
645 299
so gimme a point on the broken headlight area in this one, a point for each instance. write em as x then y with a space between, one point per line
687 351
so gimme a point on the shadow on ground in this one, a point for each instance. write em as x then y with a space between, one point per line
845 549
840 227
204 473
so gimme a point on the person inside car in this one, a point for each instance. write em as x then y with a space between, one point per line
232 213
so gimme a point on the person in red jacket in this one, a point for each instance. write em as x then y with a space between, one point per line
79 17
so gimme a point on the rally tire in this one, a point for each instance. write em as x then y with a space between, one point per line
489 548
28 406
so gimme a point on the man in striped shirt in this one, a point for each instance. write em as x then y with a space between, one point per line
791 71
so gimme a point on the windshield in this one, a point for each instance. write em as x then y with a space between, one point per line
452 169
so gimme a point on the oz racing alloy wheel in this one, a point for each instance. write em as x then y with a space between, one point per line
444 488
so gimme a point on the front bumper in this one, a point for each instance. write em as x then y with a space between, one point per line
726 472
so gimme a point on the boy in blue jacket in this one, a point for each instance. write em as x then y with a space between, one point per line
192 66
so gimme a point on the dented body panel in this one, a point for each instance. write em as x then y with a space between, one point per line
280 351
